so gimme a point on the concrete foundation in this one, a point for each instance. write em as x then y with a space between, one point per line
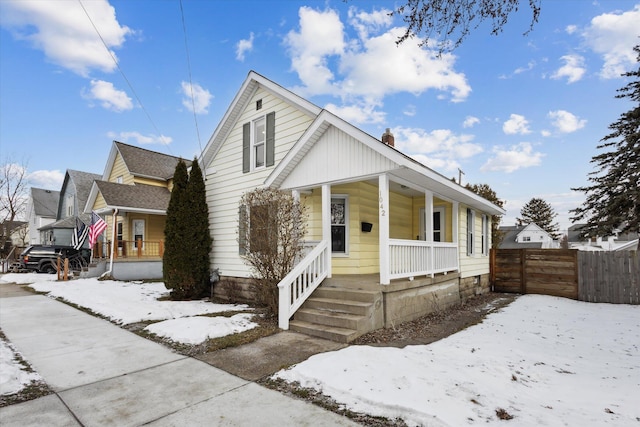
406 300
475 285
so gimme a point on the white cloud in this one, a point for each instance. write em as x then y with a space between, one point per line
358 113
201 98
513 158
573 68
439 149
529 67
365 22
516 124
140 138
545 133
566 122
321 38
63 32
470 121
243 46
51 180
613 35
570 29
109 97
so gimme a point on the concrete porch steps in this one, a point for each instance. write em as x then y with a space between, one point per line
339 314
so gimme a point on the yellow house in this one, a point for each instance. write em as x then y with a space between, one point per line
389 238
132 197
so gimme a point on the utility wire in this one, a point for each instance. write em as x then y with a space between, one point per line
193 101
122 72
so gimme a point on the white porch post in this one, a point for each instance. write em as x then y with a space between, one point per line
428 226
296 195
383 215
326 223
428 216
454 230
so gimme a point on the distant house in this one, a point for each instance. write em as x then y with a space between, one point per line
616 242
132 196
42 209
73 198
526 236
13 234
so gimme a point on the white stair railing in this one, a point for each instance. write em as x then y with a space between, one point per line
300 283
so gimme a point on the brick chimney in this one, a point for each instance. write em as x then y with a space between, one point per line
387 138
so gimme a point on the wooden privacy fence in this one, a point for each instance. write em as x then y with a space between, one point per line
609 277
612 277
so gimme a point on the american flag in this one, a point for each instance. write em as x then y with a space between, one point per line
98 225
80 233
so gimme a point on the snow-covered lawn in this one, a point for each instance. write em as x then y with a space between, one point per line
542 360
13 375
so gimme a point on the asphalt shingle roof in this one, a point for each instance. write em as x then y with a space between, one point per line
45 202
137 196
146 163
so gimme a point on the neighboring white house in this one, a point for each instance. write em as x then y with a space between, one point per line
42 209
375 214
527 236
616 242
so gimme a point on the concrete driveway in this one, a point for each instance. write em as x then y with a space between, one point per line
103 375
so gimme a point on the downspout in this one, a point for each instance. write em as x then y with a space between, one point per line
113 245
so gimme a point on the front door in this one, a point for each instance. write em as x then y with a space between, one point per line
138 232
438 225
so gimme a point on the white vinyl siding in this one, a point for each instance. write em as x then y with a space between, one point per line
471 265
225 187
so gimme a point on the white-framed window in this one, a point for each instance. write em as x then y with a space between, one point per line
258 139
119 179
258 143
526 238
471 223
70 205
339 224
485 234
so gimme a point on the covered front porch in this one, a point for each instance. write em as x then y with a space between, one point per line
380 231
132 246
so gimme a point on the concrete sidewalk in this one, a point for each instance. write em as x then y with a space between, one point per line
103 375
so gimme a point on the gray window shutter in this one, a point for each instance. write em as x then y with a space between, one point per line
270 145
246 147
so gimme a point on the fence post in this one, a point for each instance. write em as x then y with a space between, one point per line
523 276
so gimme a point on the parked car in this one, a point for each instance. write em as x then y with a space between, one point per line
44 259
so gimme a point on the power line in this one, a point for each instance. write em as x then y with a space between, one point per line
193 101
122 72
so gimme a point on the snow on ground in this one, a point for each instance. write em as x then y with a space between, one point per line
544 360
13 376
121 302
194 330
125 303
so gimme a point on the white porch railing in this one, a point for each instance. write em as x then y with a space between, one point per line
300 283
408 258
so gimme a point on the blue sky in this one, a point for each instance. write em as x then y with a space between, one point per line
523 114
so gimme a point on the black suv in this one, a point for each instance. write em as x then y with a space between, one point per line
44 259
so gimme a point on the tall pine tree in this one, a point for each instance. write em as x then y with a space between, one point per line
542 214
187 238
613 199
174 229
198 236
